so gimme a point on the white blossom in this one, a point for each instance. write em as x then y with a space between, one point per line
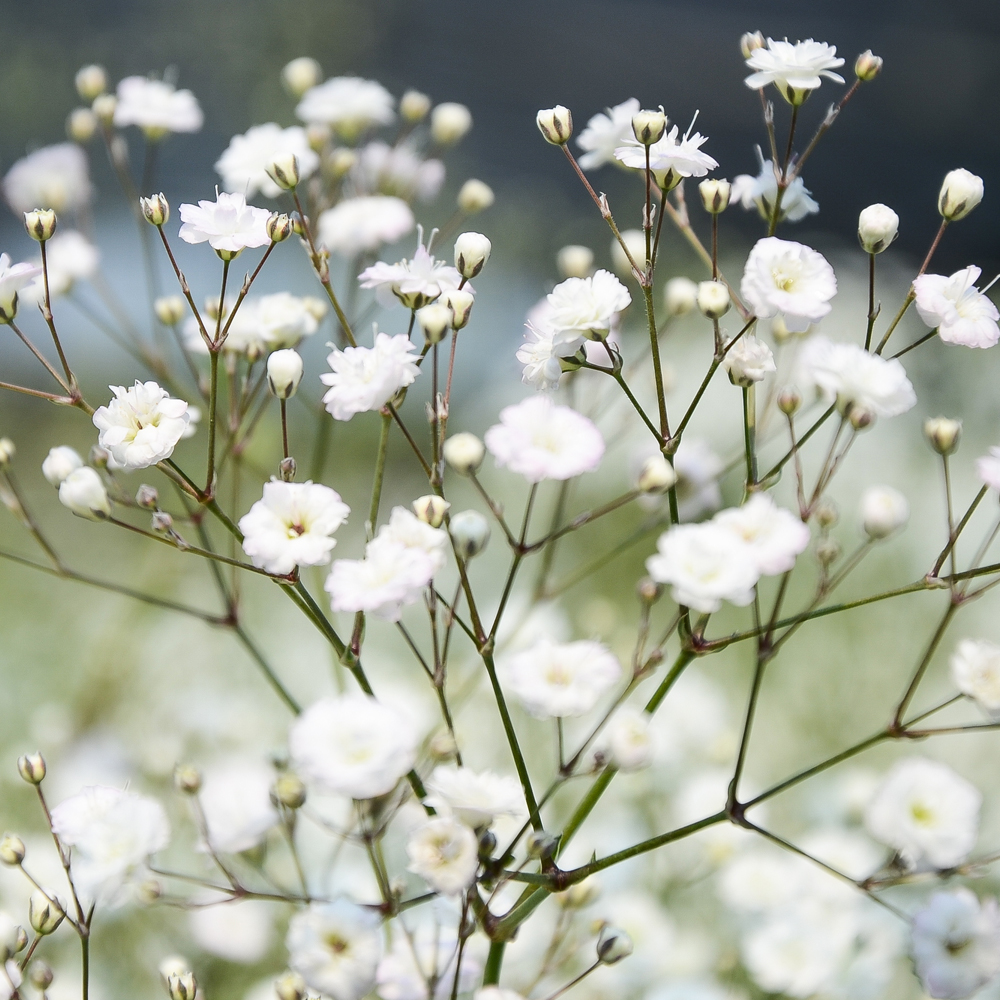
413 282
228 223
348 104
85 494
53 177
698 469
604 133
628 740
12 280
59 463
238 932
774 536
156 107
793 66
541 364
363 224
585 307
444 852
244 162
366 378
975 669
141 425
235 798
405 529
70 257
671 156
397 170
762 192
269 323
475 797
749 360
961 313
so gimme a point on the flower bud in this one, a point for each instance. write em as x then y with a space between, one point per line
431 509
40 224
878 226
961 191
943 434
575 261
187 779
442 746
789 400
713 299
318 135
867 66
44 913
883 511
81 124
449 122
173 965
656 476
576 897
472 251
284 171
31 767
284 373
91 81
291 986
301 75
464 452
715 194
540 844
341 161
860 417
156 209
40 975
83 492
147 497
149 891
182 986
475 196
556 124
613 944
648 590
290 791
828 552
648 126
750 42
460 303
11 849
162 522
435 321
287 469
680 296
7 452
826 514
104 108
414 105
278 227
169 309
470 532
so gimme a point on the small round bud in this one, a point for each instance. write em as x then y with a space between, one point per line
575 261
943 434
472 251
867 66
173 965
540 844
449 123
464 452
7 452
613 944
40 224
187 779
341 161
91 81
883 511
291 986
556 124
648 126
789 400
828 552
715 194
155 209
104 108
300 75
81 124
961 191
284 171
290 790
470 532
635 240
878 226
44 913
487 843
443 746
11 849
656 476
278 227
182 986
161 522
20 939
431 509
713 299
648 590
576 897
680 296
414 105
148 497
31 767
169 309
318 135
475 196
284 373
750 42
40 975
860 417
435 321
149 891
99 457
460 302
826 514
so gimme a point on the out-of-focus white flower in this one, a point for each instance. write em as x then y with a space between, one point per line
12 280
575 261
756 881
584 308
352 745
849 375
236 800
53 177
680 296
554 680
244 162
238 932
141 425
156 107
335 947
962 314
927 812
975 669
413 282
292 525
698 469
671 158
348 104
775 536
366 378
795 68
449 122
228 224
540 440
397 170
475 797
749 360
112 834
59 463
955 943
788 278
363 224
475 196
960 193
883 511
628 740
272 322
604 133
424 955
84 493
444 852
762 192
988 468
70 257
406 529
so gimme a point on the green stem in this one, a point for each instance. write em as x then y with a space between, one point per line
494 962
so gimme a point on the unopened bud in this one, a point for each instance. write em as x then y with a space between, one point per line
860 417
301 75
147 496
464 452
284 171
460 303
40 975
826 514
943 434
81 124
648 126
540 844
40 224
11 849
431 509
575 261
613 944
173 965
414 105
883 511
435 321
155 209
878 226
828 551
472 251
341 161
576 897
91 81
656 476
443 746
31 767
182 986
20 939
161 522
318 135
278 227
556 124
286 467
750 42
867 66
169 309
44 913
290 790
789 400
475 196
291 986
187 779
713 299
284 373
961 191
149 891
715 194
470 532
449 123
680 296
7 452
487 843
104 108
649 590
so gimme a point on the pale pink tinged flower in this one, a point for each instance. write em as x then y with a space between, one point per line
156 107
141 425
961 313
366 378
243 164
604 133
363 224
227 224
782 277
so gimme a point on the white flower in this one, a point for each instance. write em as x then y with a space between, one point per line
749 360
238 932
988 468
849 375
335 948
961 313
70 257
352 745
243 164
704 566
397 170
227 224
585 307
475 797
361 225
883 511
388 578
773 535
670 158
269 323
604 133
366 378
13 280
561 679
628 740
444 852
925 811
156 107
53 177
975 669
292 525
112 834
405 529
788 278
540 440
541 364
236 800
59 463
762 191
348 104
84 493
797 66
956 943
141 425
413 282
425 955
